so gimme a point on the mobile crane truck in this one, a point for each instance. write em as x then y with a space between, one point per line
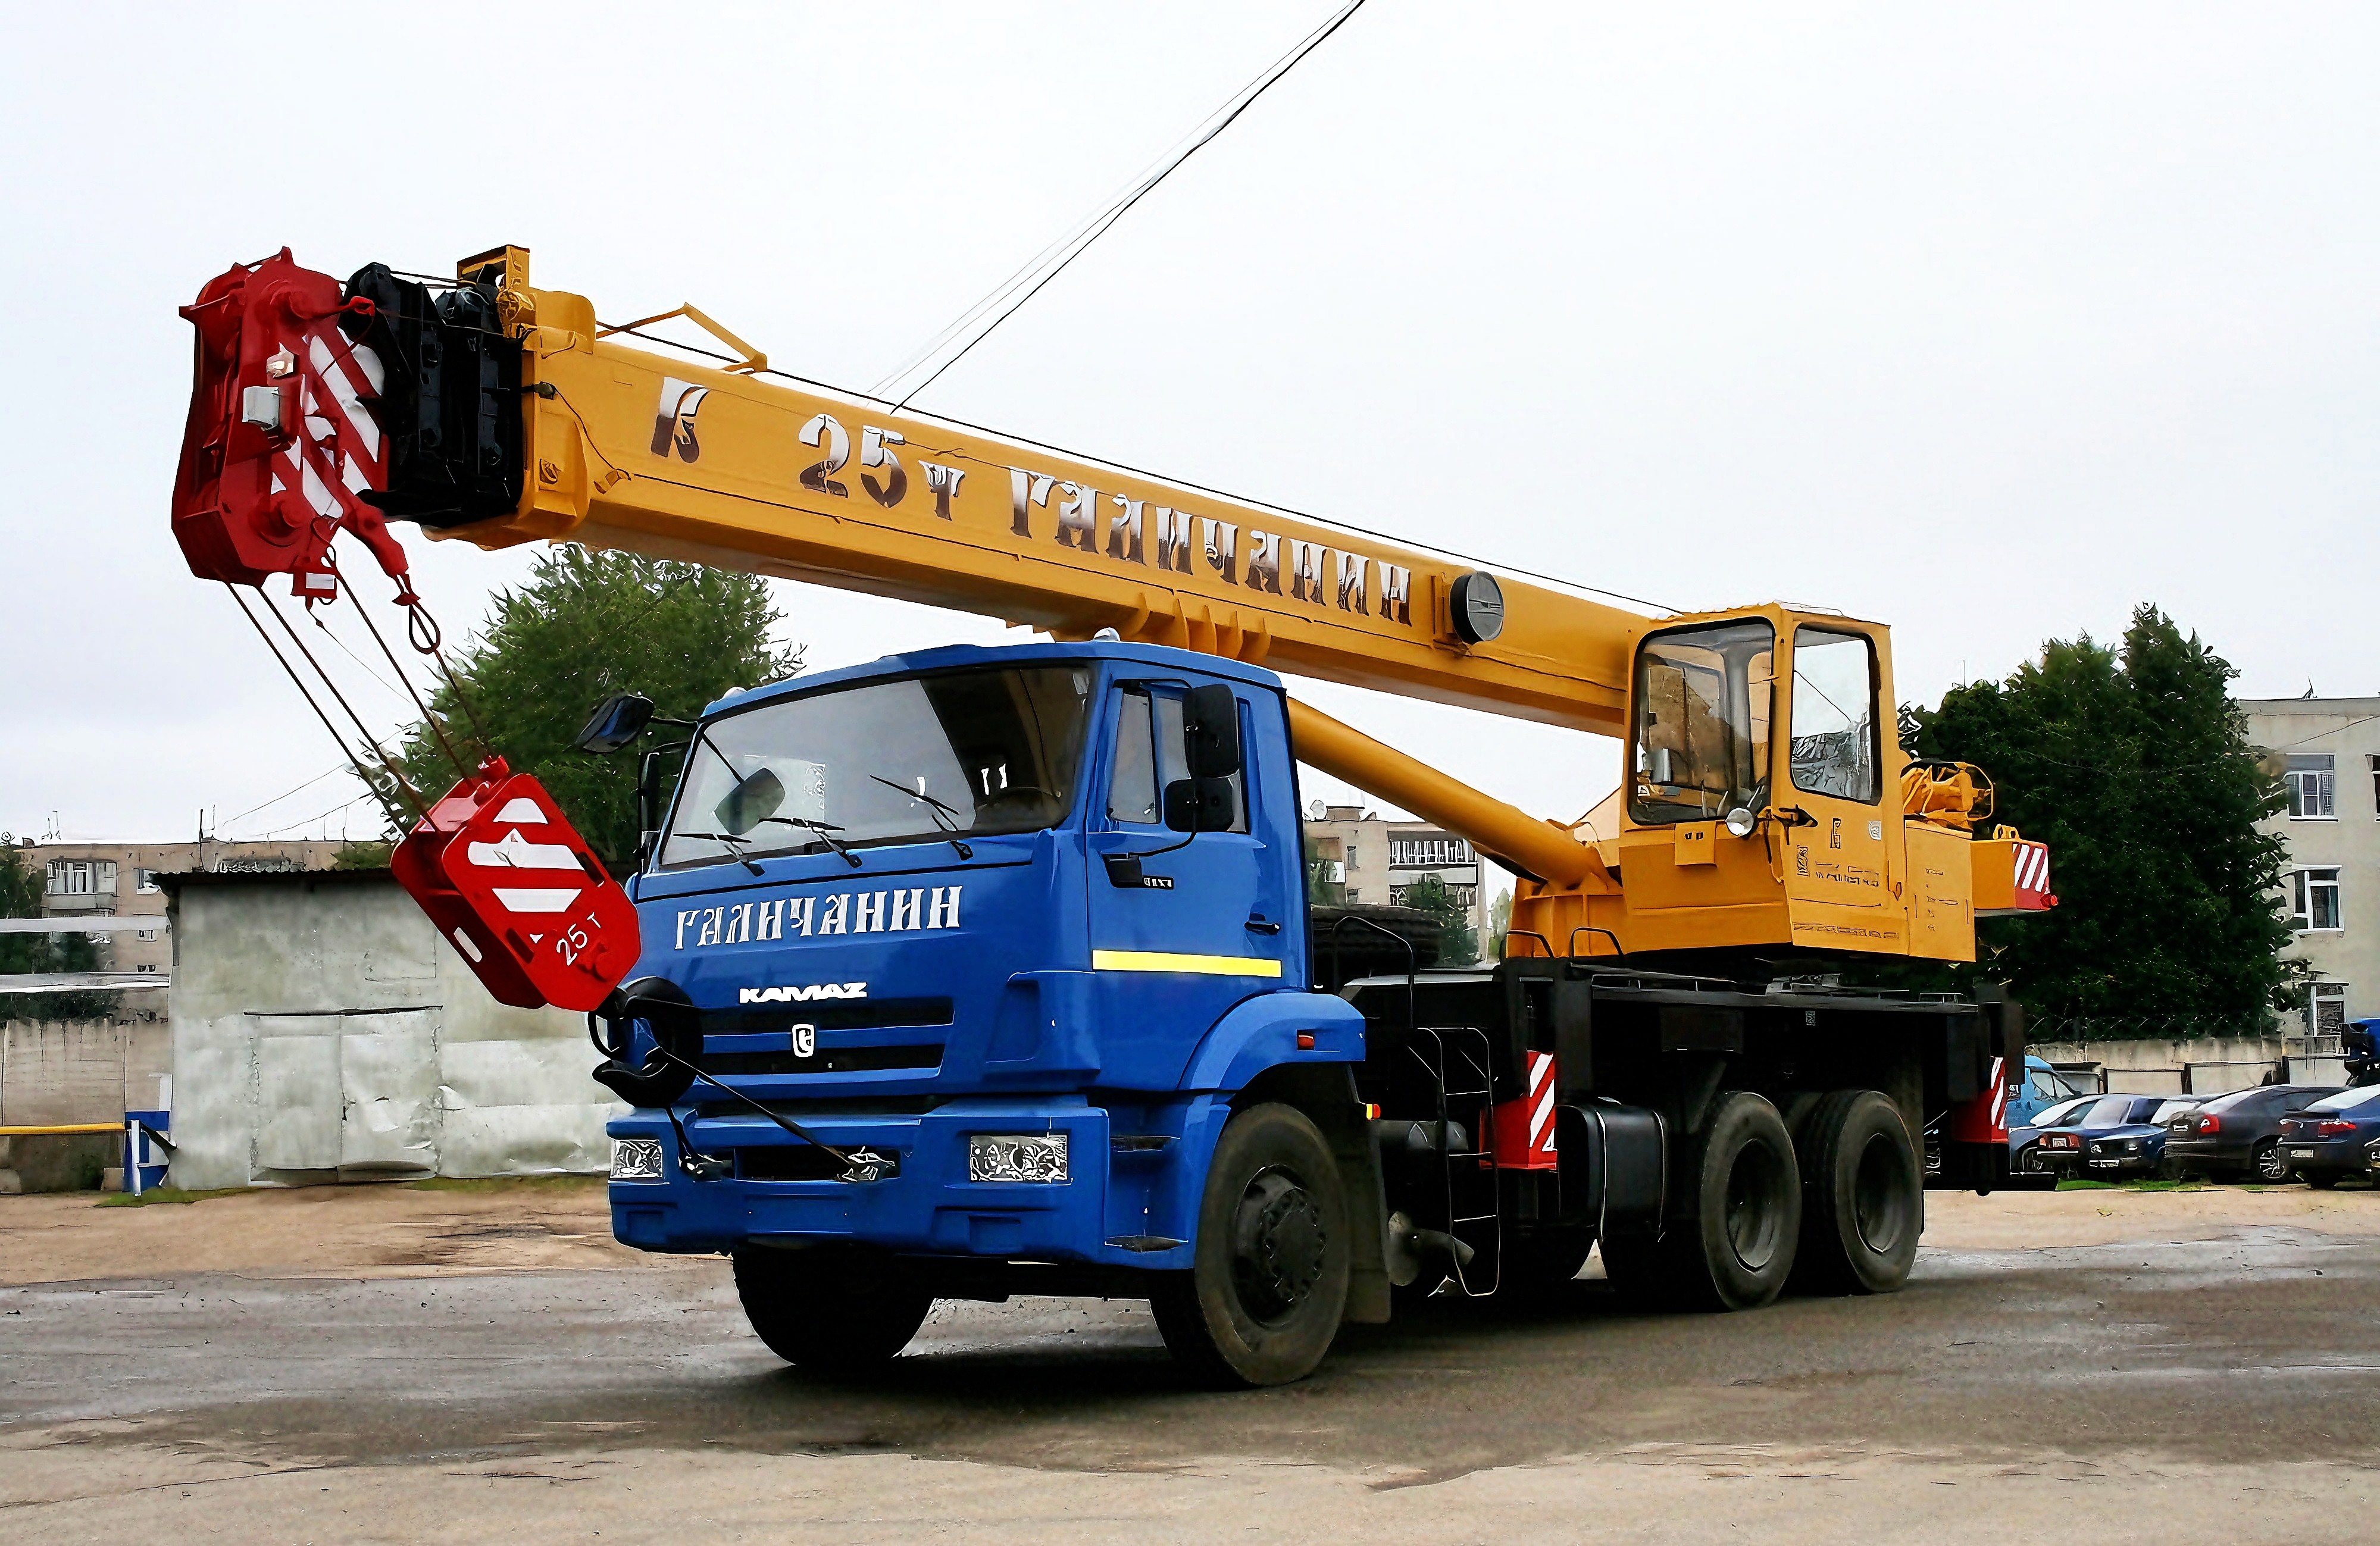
975 972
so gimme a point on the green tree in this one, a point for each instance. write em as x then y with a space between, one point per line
20 897
585 626
2132 764
1459 942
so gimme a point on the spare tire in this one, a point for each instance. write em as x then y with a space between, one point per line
1343 952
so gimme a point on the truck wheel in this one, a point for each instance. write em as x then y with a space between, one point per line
1263 1299
1737 1249
837 1311
1863 1206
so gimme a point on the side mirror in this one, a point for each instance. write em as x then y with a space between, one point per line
753 801
617 721
1199 804
1210 729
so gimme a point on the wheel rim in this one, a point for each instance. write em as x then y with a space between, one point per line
2268 1162
1879 1195
1278 1244
1754 1224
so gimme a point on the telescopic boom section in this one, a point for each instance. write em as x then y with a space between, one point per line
636 451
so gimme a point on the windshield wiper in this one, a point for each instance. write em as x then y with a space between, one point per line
826 831
730 844
945 816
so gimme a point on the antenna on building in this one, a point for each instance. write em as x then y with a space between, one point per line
2309 692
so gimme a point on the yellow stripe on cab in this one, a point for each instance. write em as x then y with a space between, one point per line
1167 960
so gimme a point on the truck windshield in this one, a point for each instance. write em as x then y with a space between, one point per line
971 754
1701 741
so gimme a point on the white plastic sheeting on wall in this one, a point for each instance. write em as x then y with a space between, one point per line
322 1031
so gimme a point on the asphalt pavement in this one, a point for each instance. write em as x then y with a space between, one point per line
2153 1381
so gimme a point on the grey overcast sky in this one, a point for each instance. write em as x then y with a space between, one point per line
1986 321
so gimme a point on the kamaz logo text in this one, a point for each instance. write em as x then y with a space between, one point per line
803 994
913 910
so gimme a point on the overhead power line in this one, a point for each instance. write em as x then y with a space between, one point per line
1051 260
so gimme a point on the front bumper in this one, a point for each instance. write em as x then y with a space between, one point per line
2129 1161
1129 1205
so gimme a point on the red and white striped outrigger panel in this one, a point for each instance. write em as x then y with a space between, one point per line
1985 1118
2012 875
1524 1127
512 886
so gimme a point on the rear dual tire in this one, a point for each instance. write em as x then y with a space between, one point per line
1735 1250
1862 1196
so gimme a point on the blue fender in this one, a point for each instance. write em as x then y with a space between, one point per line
1261 1033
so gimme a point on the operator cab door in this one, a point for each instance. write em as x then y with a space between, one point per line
1839 868
1199 923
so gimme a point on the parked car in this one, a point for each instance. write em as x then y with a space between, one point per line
2041 1088
2130 1141
2025 1156
2339 1135
2113 1135
2239 1134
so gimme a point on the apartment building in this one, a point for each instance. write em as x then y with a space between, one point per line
1366 859
2327 751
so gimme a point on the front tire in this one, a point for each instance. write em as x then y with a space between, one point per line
1262 1302
1863 1204
830 1309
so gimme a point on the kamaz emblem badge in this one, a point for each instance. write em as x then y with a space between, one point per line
804 1040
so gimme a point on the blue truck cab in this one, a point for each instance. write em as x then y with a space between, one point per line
969 920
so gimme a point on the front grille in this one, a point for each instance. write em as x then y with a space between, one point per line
786 1161
825 1060
835 1014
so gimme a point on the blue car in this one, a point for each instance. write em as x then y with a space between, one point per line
2339 1135
2112 1136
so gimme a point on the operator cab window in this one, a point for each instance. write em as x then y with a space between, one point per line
1701 737
1150 753
1834 716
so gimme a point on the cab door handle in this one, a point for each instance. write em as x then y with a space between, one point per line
1259 925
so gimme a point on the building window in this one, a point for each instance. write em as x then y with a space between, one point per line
2326 1011
149 935
82 877
2310 778
2375 785
1464 897
146 966
2313 900
1429 850
145 882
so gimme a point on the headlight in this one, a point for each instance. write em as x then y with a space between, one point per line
2132 1145
635 1159
1033 1156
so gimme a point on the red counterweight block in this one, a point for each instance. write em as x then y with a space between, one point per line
510 884
1524 1127
282 441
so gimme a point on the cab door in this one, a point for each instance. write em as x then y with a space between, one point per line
1182 925
1840 872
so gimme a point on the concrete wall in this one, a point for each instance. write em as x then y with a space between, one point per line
82 1070
2201 1067
322 1031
